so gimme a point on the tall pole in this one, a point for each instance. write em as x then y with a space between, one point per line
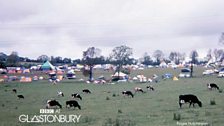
191 67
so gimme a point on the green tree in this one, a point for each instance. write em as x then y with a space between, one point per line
43 58
3 56
90 57
194 57
146 59
219 54
175 57
158 55
121 55
13 60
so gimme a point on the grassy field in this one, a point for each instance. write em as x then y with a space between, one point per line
106 106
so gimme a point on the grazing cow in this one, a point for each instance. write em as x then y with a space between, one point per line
76 95
86 91
192 99
138 89
20 96
73 103
60 93
51 103
128 93
14 90
212 85
150 88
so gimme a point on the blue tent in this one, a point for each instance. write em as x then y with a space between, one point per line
168 75
185 70
47 66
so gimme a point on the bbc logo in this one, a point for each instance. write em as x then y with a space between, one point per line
48 111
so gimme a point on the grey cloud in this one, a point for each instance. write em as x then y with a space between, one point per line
58 27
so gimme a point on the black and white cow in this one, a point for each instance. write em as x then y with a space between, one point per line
76 95
86 91
212 85
128 93
53 103
14 90
60 93
138 89
72 103
150 88
189 98
20 96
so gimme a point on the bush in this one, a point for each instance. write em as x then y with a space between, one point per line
108 122
176 116
87 119
212 102
119 121
114 95
220 90
119 111
107 98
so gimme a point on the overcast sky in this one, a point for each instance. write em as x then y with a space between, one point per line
68 27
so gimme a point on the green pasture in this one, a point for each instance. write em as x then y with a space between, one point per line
106 106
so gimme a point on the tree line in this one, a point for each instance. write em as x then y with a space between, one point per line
120 55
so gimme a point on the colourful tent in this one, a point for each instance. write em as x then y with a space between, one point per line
47 66
60 72
26 71
60 77
35 78
11 71
175 78
1 80
26 79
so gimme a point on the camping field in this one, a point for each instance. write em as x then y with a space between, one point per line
106 106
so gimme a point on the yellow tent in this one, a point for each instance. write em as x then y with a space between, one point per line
175 78
60 77
1 80
26 79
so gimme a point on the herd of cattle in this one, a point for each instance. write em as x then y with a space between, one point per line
192 99
184 98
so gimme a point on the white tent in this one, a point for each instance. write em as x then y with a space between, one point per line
163 64
71 72
142 78
120 74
